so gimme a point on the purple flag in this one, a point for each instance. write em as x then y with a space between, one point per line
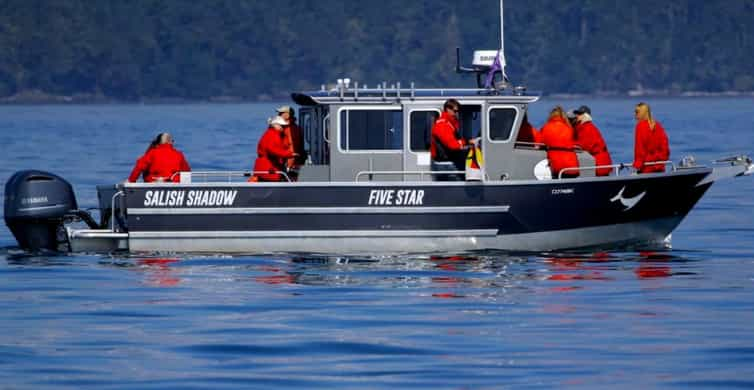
496 67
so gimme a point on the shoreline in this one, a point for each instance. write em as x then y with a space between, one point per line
41 98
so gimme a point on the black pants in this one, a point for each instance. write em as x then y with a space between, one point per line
447 166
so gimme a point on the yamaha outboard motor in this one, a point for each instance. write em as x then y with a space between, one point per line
37 204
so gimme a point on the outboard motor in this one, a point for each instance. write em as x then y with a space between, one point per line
37 204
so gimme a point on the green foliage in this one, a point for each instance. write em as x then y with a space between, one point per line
141 49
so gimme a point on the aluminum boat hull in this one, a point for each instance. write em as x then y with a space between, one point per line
397 217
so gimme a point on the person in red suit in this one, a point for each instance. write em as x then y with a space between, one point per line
161 162
447 148
295 139
590 139
527 133
651 142
272 152
558 137
446 143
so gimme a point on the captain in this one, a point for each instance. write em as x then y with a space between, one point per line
447 147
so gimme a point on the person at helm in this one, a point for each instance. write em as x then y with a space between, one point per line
447 148
161 162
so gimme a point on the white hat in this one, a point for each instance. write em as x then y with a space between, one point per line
284 109
278 121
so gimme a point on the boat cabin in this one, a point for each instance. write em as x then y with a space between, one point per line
355 133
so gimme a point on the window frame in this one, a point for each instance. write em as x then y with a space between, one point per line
368 108
516 121
410 112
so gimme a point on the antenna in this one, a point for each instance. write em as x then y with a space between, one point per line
488 62
502 43
502 31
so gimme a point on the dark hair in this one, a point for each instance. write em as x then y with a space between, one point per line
451 103
156 141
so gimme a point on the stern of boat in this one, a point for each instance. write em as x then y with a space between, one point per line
112 234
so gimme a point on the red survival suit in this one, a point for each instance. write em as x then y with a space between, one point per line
589 138
161 161
296 139
527 133
451 147
558 137
272 152
650 145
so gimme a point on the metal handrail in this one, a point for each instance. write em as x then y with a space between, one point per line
285 175
530 144
325 128
617 167
666 162
541 146
231 174
403 173
112 208
394 88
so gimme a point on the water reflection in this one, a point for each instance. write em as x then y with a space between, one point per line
654 265
449 276
446 276
158 271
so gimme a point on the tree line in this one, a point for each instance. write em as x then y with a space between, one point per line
133 50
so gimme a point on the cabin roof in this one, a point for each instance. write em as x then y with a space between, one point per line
342 94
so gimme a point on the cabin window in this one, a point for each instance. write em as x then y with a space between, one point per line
314 141
306 125
469 119
421 129
371 130
501 123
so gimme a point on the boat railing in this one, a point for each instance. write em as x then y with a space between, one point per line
667 162
529 145
541 146
404 173
616 167
116 195
228 176
344 91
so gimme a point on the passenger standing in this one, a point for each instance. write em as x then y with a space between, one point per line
447 148
590 139
161 162
294 138
651 142
557 135
272 152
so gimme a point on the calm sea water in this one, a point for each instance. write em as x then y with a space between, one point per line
682 318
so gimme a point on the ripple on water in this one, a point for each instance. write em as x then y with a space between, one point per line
478 320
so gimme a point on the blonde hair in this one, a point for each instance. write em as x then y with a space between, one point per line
644 112
559 112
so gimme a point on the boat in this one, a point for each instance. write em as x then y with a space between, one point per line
368 187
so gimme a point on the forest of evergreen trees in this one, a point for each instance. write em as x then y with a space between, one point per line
131 50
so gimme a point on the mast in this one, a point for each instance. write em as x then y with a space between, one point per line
502 43
502 31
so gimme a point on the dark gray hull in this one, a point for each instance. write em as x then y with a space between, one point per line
409 217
